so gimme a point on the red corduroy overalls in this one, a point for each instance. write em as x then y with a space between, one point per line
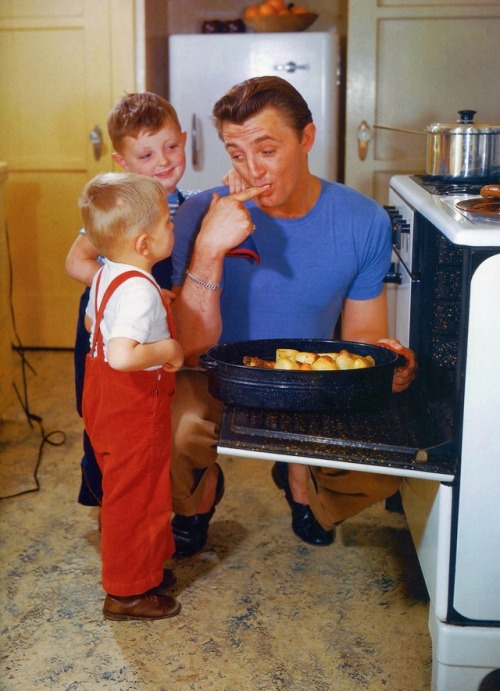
127 417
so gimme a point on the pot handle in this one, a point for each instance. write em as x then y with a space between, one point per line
405 130
401 359
207 362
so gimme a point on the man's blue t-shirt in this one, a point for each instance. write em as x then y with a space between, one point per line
308 266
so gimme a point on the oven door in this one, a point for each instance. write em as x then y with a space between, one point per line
403 439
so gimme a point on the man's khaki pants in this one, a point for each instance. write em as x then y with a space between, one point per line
334 495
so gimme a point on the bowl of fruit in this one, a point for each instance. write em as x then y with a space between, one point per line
277 16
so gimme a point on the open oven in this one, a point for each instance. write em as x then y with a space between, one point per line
441 435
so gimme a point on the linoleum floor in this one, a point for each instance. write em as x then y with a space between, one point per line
261 610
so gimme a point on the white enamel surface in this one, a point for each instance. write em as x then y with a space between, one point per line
460 228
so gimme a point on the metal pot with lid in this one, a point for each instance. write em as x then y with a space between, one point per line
463 149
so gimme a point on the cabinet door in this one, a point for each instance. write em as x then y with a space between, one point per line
410 64
60 73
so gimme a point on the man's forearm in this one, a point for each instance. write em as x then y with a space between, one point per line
197 307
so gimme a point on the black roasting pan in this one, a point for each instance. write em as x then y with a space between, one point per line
321 391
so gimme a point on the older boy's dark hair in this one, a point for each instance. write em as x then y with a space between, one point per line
135 113
248 98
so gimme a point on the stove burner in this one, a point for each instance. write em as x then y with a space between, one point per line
434 184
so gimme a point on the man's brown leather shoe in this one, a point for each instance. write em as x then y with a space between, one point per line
143 607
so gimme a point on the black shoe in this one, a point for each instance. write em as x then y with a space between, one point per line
304 523
163 588
191 532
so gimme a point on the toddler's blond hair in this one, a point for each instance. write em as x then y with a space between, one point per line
117 206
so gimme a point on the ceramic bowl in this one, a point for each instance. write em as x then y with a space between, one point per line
280 22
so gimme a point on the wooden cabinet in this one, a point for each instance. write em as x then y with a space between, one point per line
62 66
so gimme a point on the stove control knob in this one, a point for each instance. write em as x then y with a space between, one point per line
397 222
399 225
392 211
393 275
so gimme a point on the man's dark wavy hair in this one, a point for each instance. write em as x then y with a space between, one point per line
248 98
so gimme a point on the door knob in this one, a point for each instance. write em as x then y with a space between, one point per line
363 135
95 137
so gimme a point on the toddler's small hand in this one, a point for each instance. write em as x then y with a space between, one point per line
175 356
167 295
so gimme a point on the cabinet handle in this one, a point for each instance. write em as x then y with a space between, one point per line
194 141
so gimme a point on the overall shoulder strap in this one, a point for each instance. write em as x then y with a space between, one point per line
115 283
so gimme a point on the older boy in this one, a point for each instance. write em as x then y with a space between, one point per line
147 138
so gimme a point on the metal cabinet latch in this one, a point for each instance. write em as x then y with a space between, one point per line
290 67
95 137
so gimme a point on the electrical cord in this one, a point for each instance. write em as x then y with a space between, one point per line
55 438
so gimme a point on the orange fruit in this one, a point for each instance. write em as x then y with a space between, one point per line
266 9
299 10
278 4
251 11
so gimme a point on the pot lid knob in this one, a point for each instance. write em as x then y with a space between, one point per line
466 116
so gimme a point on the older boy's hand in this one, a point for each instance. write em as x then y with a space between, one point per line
234 181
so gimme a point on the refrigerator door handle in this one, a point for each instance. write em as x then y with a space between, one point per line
290 67
194 142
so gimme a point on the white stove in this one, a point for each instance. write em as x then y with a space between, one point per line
455 526
460 227
441 435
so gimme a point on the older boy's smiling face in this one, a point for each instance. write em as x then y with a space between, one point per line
160 155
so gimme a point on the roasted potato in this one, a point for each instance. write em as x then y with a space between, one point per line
361 362
308 358
344 360
324 362
286 353
289 358
286 363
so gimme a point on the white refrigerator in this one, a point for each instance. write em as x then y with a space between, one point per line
202 67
